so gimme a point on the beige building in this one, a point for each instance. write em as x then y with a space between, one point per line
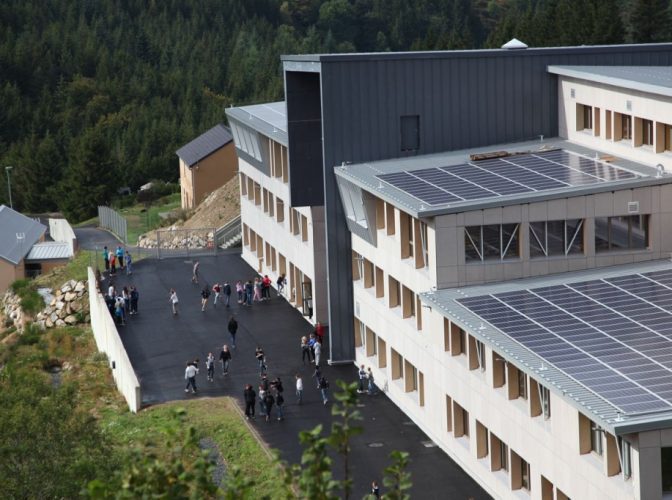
517 306
206 163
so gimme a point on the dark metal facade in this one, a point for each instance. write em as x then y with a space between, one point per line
464 99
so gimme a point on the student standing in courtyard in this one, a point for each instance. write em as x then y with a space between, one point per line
217 288
280 284
261 360
225 358
362 378
129 262
240 290
194 272
106 258
372 384
120 256
250 398
226 290
299 388
305 350
269 400
210 365
190 376
135 296
174 301
324 390
113 264
233 329
279 403
317 349
205 295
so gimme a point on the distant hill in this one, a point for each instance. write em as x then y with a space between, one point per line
99 94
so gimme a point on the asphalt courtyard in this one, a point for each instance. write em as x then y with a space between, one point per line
159 344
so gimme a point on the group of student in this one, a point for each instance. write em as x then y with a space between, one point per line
123 304
118 256
257 289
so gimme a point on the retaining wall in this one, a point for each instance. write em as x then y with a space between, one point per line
108 341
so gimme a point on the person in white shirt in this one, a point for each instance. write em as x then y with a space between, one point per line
317 348
174 300
190 376
299 388
110 290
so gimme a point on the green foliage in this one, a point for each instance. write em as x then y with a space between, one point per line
343 429
650 21
31 301
48 447
397 480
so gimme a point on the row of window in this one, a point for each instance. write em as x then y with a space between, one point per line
263 149
619 127
300 289
412 233
553 238
398 294
274 206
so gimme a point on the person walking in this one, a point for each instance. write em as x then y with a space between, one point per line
233 329
317 375
257 290
305 350
261 360
194 272
311 346
190 376
240 290
120 256
249 291
111 291
299 388
317 349
319 332
324 389
226 290
375 489
129 262
372 384
269 400
266 287
125 294
362 378
174 301
262 401
217 288
119 310
205 295
250 398
225 358
113 264
210 365
106 258
280 283
135 296
279 403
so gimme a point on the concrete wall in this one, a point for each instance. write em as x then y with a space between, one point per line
607 98
60 230
9 273
452 270
308 256
550 446
109 342
210 173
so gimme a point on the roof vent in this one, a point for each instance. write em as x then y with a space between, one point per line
514 44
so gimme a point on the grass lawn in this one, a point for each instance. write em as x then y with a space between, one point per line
74 270
139 220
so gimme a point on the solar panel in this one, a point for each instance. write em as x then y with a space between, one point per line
613 335
516 174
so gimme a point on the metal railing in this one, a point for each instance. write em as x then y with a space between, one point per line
113 221
228 231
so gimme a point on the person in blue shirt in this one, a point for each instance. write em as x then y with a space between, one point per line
129 261
106 258
120 256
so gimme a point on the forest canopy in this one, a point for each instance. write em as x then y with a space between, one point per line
98 94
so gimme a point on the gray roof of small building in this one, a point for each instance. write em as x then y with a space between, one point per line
590 403
365 175
650 79
270 119
12 223
50 250
205 144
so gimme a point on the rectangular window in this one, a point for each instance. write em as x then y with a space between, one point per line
357 266
360 332
390 222
271 205
257 194
458 340
449 414
304 228
476 354
499 458
522 385
498 370
460 421
626 457
446 335
406 230
625 232
482 440
395 293
647 133
596 438
410 132
382 353
371 342
517 382
410 377
626 127
493 242
408 302
279 210
243 184
369 276
666 466
548 238
265 199
540 402
421 250
380 283
667 131
586 118
397 365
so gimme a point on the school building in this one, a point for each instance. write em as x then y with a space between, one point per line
495 243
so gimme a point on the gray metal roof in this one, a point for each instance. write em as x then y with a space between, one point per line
205 144
649 79
589 402
13 224
50 250
364 176
270 119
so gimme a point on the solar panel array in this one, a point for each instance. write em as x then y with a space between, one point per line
613 335
516 174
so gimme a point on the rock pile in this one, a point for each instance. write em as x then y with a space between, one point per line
11 310
69 306
182 239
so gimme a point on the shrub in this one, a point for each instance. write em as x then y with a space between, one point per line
31 301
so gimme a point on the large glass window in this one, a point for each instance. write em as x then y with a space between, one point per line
624 232
492 242
559 237
353 204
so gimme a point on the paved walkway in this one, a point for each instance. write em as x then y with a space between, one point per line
159 344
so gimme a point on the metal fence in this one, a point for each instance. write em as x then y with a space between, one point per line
185 242
113 221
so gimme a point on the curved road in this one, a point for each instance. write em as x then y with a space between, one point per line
92 238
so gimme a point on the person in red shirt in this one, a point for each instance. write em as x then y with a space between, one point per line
319 331
266 287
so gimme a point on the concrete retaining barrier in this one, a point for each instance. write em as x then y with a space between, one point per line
108 341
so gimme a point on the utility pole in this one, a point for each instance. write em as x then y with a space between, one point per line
9 186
